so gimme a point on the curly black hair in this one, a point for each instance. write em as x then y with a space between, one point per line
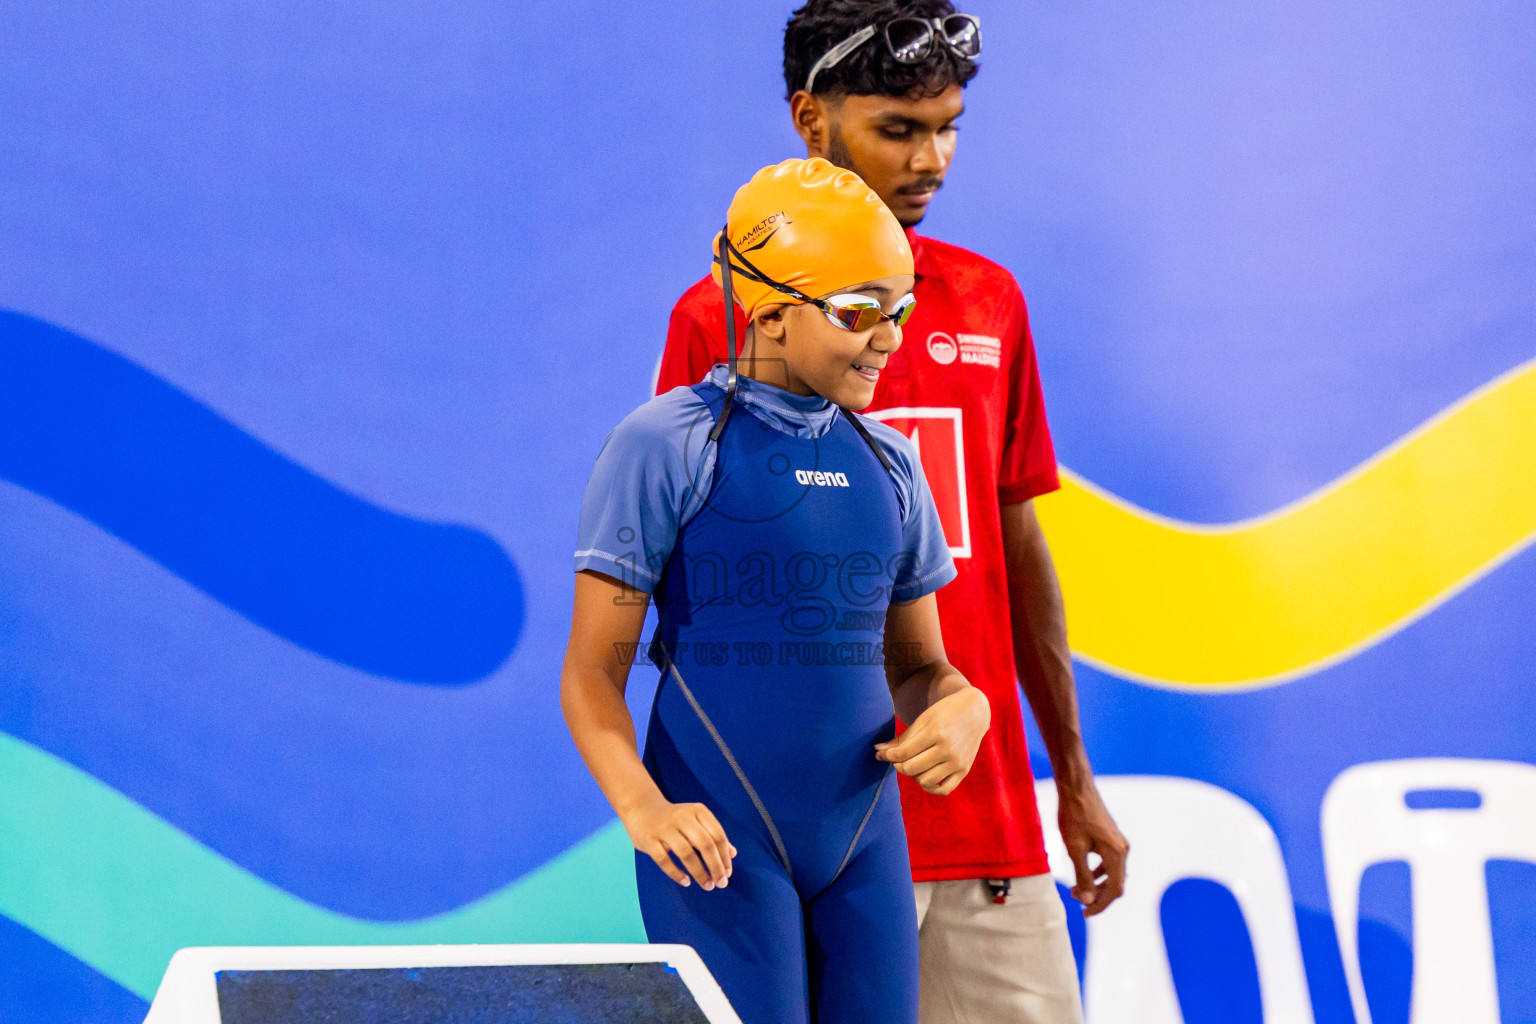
869 70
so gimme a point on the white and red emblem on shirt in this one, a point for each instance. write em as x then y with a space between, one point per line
942 348
940 442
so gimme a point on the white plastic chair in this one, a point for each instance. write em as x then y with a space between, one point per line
1366 820
1178 829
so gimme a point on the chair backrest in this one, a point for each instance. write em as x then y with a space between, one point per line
1178 829
1368 819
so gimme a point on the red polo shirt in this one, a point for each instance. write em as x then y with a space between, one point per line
965 387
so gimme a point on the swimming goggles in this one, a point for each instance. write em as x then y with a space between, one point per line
910 41
854 312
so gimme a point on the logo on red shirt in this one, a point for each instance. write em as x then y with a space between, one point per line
941 448
980 350
942 348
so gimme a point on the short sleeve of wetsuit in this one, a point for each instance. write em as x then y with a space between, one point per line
645 485
926 564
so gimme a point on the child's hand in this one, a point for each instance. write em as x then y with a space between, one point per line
689 831
939 747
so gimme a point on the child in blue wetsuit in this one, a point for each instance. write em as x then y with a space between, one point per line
792 550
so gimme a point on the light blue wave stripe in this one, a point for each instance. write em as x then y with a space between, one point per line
116 886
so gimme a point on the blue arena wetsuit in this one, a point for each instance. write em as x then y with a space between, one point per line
772 557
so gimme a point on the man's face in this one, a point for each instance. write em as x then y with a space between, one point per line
900 147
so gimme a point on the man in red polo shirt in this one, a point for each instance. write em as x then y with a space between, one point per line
876 86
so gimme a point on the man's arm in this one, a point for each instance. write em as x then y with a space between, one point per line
1044 664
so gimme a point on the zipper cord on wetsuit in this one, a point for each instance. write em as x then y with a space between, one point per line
879 452
724 259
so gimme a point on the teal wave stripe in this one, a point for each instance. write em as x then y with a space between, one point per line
122 889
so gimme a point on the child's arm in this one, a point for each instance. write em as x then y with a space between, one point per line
946 716
606 623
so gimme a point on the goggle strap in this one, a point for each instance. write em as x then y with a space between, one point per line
744 272
747 270
751 272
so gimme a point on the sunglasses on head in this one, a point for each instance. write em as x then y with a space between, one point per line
910 41
853 312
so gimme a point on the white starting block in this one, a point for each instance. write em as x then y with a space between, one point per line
440 984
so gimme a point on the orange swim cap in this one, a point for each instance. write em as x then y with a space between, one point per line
813 227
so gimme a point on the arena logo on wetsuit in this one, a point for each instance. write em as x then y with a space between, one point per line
818 478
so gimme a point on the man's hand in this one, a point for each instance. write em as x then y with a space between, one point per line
662 829
1086 827
938 749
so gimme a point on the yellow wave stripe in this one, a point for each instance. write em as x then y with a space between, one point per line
1266 600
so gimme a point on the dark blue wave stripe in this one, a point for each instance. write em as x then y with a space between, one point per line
42 984
417 601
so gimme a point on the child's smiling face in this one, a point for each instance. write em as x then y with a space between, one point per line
823 358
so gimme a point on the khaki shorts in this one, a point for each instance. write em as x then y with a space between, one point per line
986 963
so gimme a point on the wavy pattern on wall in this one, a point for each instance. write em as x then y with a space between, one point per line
121 889
1212 607
1266 600
395 596
1249 603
